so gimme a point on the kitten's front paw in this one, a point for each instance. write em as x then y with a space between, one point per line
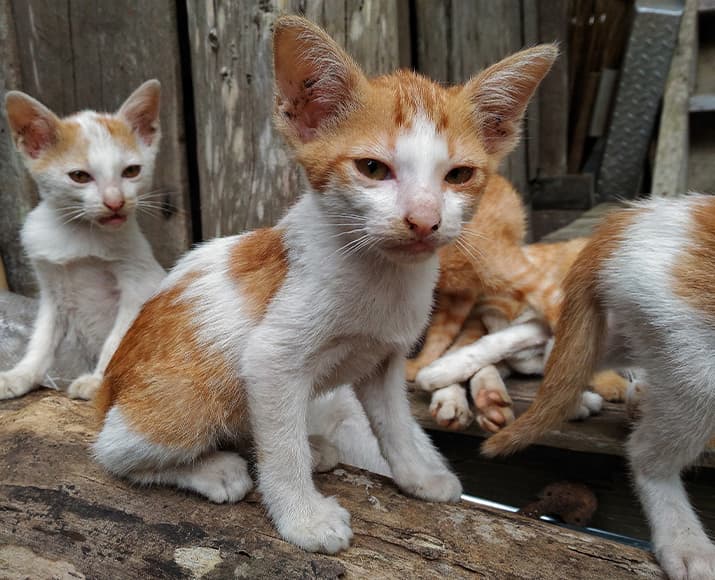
491 400
14 384
321 526
450 408
691 560
441 486
84 387
435 376
610 385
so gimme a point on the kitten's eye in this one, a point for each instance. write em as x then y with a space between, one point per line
131 171
80 176
373 169
459 175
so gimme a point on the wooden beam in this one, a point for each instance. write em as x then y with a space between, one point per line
61 513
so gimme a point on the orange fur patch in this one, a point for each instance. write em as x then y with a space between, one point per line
259 264
695 272
119 130
69 142
170 388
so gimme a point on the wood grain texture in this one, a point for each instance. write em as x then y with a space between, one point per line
247 178
85 54
456 40
60 511
17 192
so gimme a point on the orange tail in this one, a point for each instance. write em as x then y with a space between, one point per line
579 339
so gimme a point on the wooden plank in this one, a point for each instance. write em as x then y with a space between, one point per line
433 42
554 91
584 225
17 193
247 178
60 512
671 158
85 54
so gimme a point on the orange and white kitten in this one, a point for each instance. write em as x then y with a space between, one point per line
641 295
247 329
94 267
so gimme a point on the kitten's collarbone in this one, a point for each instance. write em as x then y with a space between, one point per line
14 384
84 387
321 526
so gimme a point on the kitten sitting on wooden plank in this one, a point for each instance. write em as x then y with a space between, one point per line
641 295
247 329
94 267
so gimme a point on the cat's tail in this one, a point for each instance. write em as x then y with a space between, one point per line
579 341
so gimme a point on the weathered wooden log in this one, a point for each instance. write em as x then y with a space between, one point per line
61 516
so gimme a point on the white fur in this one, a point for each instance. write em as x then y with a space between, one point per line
672 342
92 278
340 317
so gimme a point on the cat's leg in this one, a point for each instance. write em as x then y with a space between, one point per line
134 291
301 514
674 430
218 475
462 364
417 467
46 335
610 385
446 324
491 399
450 408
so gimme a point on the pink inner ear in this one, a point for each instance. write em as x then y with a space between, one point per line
37 135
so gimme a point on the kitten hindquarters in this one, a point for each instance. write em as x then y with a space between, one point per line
649 264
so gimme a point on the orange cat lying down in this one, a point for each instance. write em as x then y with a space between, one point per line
489 273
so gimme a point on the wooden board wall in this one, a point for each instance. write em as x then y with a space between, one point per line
247 178
87 54
456 39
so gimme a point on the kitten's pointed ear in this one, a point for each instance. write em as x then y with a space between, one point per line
501 93
315 80
141 111
34 127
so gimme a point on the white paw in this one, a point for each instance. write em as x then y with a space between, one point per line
450 408
491 400
84 387
14 384
324 454
321 526
441 486
222 477
435 376
591 404
692 560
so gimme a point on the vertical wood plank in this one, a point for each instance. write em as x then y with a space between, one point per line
17 194
247 178
86 54
433 38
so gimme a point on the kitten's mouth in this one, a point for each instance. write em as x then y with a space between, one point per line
414 247
115 219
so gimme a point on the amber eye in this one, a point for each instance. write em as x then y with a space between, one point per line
80 176
131 171
373 169
459 175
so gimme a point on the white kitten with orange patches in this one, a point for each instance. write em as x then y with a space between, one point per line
641 295
246 330
94 267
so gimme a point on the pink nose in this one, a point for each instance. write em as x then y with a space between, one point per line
114 204
422 226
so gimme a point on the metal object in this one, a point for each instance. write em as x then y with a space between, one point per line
645 67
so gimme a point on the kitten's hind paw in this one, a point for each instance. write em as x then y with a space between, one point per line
84 387
222 477
491 400
14 384
591 404
688 560
323 453
450 408
321 526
